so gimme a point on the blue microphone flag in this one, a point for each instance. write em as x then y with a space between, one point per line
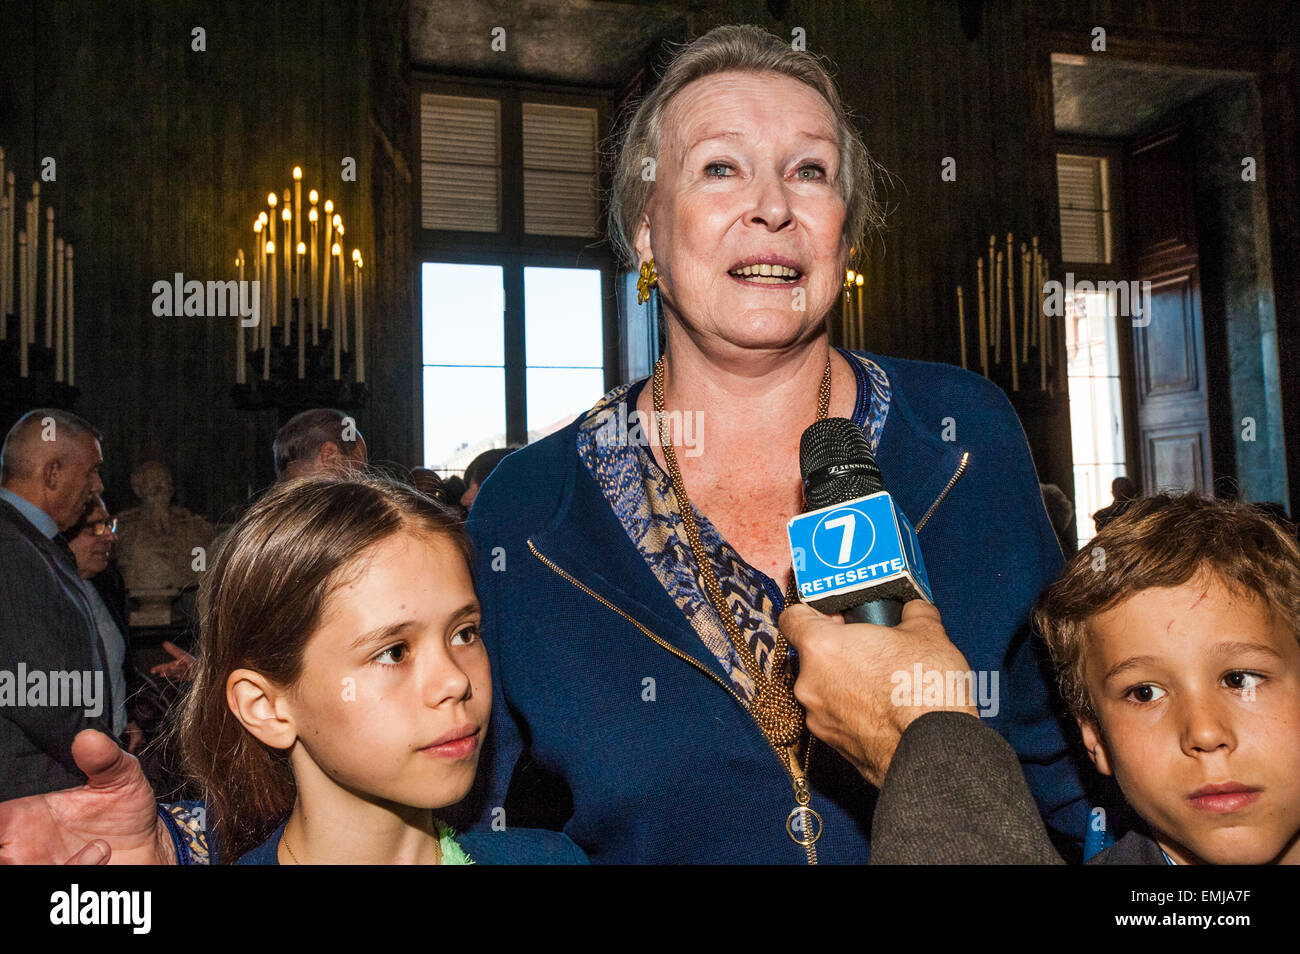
856 550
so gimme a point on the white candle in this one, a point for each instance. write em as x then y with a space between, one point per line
1013 353
33 253
288 275
272 269
327 265
72 378
6 261
343 303
271 200
961 325
338 329
313 284
313 280
13 216
58 309
4 244
268 266
257 277
848 310
239 323
1027 280
1042 320
24 284
1048 332
297 212
302 314
7 250
6 265
356 324
49 277
1036 268
997 309
984 350
862 331
992 305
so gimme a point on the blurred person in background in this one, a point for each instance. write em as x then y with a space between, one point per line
321 440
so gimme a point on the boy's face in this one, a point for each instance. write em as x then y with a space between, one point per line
1197 692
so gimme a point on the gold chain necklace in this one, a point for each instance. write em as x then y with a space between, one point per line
774 706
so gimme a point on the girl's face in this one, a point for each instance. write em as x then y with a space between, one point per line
396 690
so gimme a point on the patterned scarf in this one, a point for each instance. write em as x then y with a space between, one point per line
612 441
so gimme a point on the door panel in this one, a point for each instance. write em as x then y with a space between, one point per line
1172 403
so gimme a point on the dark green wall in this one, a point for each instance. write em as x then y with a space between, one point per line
164 156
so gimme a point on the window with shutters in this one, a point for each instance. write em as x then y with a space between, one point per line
460 163
1083 184
515 281
1097 349
560 187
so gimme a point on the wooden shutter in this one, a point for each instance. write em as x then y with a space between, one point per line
1085 209
460 169
560 172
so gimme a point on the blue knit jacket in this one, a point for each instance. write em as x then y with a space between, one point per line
575 622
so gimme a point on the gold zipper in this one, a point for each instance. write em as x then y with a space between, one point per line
961 469
802 791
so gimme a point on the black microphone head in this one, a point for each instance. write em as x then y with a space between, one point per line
837 463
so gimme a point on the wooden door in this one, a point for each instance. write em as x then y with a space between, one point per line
1171 391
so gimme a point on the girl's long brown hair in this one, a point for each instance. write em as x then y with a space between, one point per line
258 605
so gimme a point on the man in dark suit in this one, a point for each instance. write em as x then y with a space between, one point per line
49 471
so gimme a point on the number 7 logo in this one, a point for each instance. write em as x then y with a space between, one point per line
846 542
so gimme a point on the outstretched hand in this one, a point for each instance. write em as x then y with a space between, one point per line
181 665
111 819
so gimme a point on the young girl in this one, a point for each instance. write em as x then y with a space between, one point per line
342 691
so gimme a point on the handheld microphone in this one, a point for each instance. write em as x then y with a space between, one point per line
853 550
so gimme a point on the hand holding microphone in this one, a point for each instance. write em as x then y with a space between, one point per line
846 678
855 553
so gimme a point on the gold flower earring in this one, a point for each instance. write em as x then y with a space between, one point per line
647 281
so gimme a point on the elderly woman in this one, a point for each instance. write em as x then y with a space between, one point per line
643 691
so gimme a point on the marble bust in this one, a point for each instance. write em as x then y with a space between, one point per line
156 541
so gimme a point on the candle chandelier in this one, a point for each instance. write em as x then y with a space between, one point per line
1013 327
37 347
307 348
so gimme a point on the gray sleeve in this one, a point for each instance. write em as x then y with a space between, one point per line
955 794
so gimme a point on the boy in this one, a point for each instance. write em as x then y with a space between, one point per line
1176 638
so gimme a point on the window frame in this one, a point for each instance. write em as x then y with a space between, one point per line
512 248
1118 270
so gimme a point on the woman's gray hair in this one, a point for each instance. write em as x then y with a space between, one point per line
747 49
